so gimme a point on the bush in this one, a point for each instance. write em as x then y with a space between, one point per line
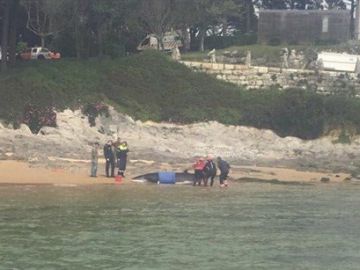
299 113
21 46
36 118
275 41
294 112
168 92
94 110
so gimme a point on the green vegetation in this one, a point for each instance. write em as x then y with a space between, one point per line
271 53
238 39
150 86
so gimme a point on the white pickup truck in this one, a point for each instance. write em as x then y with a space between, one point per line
39 53
338 61
1 54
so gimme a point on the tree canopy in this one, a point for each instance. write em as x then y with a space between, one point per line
87 28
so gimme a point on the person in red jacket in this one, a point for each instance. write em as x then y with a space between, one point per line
199 166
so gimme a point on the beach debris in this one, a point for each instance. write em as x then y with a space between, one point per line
148 162
118 179
325 180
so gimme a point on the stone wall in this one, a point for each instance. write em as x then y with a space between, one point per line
256 77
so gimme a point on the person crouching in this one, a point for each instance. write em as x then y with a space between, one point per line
224 171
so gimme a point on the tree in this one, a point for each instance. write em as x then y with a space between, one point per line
44 17
108 20
245 19
184 18
103 24
13 31
100 20
208 13
353 6
301 4
5 33
250 16
336 4
155 16
81 14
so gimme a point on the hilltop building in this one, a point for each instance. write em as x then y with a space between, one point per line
303 26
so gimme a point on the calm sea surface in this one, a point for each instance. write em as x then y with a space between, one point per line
248 226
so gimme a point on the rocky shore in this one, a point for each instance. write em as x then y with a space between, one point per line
171 143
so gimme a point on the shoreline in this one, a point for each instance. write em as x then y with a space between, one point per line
76 173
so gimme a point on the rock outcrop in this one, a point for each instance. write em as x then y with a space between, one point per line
170 142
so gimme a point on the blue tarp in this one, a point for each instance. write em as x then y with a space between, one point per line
167 178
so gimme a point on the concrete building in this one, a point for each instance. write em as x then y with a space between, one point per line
357 21
303 26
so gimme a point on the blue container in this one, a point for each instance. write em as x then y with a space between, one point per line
167 178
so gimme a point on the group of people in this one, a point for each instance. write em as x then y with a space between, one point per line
115 155
206 169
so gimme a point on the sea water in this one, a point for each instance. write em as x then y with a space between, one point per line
140 226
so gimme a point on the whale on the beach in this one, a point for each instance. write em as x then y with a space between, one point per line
183 177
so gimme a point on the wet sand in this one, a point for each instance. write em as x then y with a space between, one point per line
77 173
17 172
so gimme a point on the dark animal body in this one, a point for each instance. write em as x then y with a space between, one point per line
154 177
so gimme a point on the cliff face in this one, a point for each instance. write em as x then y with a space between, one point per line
173 143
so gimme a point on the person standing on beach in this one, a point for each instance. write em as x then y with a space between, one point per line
110 159
121 155
224 171
210 170
199 166
94 159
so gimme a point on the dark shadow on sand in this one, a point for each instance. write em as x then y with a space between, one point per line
272 181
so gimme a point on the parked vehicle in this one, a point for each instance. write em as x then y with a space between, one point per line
338 61
171 40
7 57
39 53
1 54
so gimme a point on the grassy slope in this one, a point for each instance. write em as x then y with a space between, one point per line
146 86
152 87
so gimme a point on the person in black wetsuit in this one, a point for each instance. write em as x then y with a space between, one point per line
224 168
210 170
121 155
110 159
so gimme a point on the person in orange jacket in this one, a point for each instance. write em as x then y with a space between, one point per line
199 166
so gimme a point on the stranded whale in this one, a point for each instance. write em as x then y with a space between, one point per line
154 177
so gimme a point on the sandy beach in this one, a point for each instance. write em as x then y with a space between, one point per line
77 173
17 172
